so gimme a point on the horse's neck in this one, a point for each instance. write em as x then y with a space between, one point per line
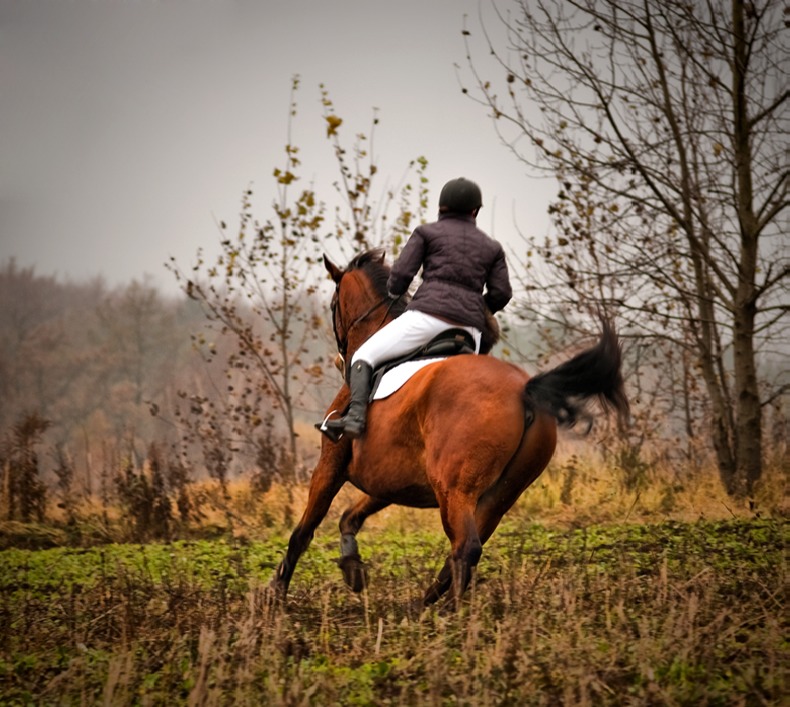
367 330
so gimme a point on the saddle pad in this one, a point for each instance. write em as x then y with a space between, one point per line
393 380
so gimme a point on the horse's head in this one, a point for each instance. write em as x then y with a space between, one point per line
360 303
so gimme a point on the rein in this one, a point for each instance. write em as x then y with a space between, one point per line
342 346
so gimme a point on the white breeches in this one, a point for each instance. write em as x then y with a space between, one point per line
405 334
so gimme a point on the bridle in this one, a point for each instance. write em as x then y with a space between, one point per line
342 344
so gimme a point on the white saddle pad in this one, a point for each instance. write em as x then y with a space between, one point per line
395 379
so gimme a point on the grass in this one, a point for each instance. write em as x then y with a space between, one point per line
665 613
592 591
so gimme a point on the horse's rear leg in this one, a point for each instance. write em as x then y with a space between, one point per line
354 571
458 518
328 477
441 584
533 455
487 517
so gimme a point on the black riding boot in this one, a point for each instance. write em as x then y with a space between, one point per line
353 423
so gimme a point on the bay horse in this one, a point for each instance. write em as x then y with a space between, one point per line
467 435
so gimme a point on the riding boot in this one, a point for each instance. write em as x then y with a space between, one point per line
353 423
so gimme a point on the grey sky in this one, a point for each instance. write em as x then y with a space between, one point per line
128 126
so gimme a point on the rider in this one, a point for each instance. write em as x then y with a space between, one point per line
458 262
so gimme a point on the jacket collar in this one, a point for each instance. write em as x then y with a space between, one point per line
461 217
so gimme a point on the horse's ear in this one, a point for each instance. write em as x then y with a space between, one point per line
335 272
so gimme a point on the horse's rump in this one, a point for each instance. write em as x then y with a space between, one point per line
419 439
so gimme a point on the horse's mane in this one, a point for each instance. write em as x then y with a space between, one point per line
372 263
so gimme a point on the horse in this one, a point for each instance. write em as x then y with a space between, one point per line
466 434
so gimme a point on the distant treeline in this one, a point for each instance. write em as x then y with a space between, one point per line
99 384
104 368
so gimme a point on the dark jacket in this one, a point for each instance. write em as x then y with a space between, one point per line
458 261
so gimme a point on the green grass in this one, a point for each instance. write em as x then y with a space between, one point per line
669 613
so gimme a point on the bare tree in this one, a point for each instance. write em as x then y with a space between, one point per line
24 494
137 341
665 123
259 292
89 361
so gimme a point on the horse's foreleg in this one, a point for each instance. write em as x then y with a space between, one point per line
327 479
354 571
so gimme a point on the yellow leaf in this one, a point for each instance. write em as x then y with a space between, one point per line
332 124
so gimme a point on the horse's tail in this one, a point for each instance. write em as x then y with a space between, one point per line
564 391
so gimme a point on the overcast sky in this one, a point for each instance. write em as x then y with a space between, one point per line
129 127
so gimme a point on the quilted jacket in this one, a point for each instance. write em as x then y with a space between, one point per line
463 271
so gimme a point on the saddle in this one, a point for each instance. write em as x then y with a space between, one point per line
450 342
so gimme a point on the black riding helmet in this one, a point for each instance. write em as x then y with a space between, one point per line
461 196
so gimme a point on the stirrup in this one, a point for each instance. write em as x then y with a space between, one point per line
334 433
335 429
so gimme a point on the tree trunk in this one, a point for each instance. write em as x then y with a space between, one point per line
748 431
748 411
721 414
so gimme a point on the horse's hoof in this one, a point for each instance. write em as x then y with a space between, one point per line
277 589
355 574
269 597
435 592
275 594
430 598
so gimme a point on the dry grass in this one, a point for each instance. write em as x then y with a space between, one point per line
573 492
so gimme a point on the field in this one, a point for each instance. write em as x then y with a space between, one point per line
627 613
